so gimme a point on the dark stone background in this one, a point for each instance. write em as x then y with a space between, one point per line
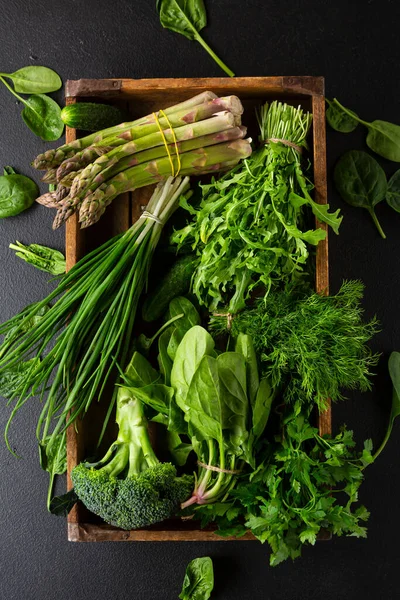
355 46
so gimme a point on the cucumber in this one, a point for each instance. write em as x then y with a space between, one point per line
176 282
90 116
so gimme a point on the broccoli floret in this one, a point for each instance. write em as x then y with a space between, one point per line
129 487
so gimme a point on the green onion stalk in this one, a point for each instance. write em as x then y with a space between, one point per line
88 328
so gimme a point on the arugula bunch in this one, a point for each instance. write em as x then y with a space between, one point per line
250 228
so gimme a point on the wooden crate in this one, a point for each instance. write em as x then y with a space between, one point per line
140 97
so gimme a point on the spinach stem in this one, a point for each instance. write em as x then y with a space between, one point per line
375 220
14 93
211 52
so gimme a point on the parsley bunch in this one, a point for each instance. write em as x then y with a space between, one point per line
305 484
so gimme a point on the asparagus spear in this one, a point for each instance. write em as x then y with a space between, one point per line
54 157
179 118
192 162
49 200
220 122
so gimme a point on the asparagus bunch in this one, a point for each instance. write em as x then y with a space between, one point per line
205 132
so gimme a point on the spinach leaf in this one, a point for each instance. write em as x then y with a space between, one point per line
17 193
204 408
60 506
188 17
53 459
43 116
361 182
345 122
179 450
394 372
199 580
262 408
234 402
43 258
196 344
156 395
139 372
383 137
244 345
34 80
164 361
393 192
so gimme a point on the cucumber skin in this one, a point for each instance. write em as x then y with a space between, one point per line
176 282
90 116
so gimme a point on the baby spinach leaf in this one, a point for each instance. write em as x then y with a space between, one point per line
361 182
156 395
204 406
179 450
262 408
188 17
383 137
164 361
345 122
394 372
17 193
53 459
199 580
43 116
60 506
393 192
196 344
139 372
244 345
34 80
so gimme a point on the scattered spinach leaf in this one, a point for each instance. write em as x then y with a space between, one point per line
43 258
393 192
361 182
53 459
383 137
34 80
43 116
345 122
60 506
188 17
394 372
17 193
199 580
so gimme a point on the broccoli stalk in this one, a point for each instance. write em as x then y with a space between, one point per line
130 487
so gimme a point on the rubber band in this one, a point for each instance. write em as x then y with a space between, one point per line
218 469
148 215
299 149
229 317
175 143
171 162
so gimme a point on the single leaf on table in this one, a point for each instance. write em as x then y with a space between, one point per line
43 116
60 506
361 182
53 459
393 192
34 80
383 137
188 17
340 120
199 580
17 193
394 372
43 258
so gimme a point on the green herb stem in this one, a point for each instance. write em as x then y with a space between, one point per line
375 220
14 93
211 52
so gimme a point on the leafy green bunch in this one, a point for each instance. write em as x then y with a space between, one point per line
305 485
250 228
310 346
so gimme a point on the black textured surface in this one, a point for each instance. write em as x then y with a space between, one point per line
355 46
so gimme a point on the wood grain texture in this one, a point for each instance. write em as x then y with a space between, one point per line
144 96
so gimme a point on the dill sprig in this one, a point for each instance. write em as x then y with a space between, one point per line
310 346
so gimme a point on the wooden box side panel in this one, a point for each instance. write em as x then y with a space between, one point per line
119 217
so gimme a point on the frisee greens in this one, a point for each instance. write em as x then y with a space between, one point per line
250 228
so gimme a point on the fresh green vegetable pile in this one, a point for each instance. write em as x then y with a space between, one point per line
197 136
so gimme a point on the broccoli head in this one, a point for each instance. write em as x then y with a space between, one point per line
130 487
